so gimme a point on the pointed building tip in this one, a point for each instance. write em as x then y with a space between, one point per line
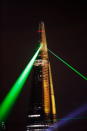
42 23
41 33
41 27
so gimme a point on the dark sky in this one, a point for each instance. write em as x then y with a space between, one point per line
66 31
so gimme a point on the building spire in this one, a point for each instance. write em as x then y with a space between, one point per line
42 36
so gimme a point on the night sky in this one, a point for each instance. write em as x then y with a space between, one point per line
66 32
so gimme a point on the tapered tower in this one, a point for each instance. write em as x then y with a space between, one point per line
42 109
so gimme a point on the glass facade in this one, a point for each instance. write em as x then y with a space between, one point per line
37 119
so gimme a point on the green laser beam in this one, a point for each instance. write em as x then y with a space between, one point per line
67 64
11 97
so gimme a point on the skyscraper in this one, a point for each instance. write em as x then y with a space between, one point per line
42 109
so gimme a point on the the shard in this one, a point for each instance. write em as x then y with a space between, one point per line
42 107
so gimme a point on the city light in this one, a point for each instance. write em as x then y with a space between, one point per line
67 64
8 102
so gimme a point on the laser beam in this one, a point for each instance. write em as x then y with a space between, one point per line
68 65
68 118
11 97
